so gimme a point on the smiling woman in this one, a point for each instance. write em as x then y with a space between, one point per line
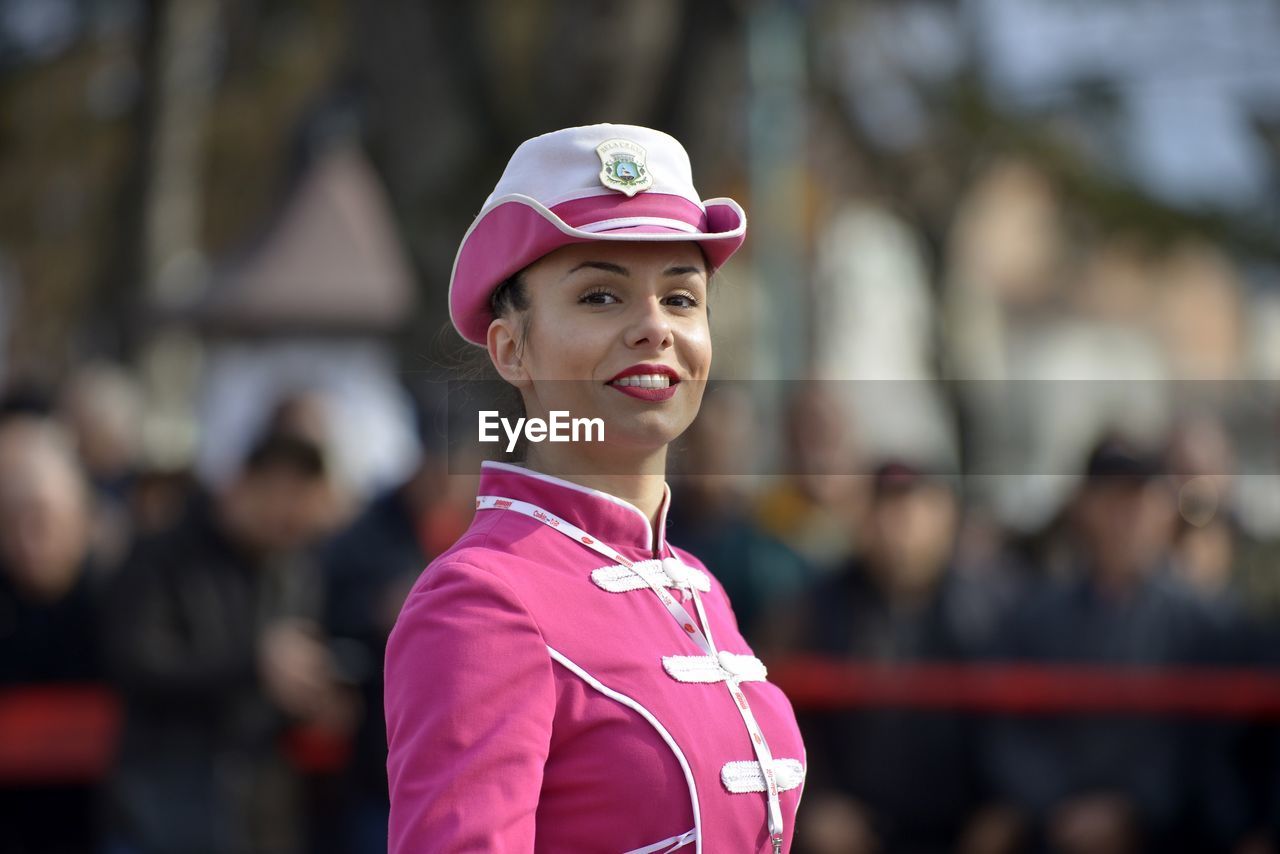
563 656
616 331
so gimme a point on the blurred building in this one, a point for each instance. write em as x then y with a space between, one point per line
309 309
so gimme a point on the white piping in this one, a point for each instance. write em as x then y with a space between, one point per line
664 546
629 221
621 502
647 715
668 845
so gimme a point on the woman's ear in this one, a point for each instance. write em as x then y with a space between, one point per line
505 351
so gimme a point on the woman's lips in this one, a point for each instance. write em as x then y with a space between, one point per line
647 381
641 393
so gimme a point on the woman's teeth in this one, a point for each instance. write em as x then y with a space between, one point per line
645 381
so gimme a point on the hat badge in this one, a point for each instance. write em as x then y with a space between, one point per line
623 166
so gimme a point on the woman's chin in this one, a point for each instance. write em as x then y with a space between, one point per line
649 429
635 442
628 435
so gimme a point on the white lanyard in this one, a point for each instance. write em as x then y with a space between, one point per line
684 620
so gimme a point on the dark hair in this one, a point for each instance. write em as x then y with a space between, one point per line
511 295
25 399
1115 458
280 451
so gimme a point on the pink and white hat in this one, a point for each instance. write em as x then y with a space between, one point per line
601 182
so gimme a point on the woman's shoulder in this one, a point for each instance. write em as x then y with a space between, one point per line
466 566
461 596
464 642
476 555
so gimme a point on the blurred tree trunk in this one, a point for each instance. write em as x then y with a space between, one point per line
173 260
115 322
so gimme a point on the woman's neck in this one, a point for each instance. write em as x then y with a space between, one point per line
637 479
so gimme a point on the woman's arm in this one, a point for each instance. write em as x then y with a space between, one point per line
469 703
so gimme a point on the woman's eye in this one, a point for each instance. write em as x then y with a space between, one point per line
600 297
683 300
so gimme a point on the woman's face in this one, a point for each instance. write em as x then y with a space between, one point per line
617 331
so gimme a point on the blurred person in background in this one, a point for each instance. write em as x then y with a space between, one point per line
102 405
711 514
1219 555
1105 783
307 414
368 569
816 505
304 414
48 622
1229 572
893 780
1202 462
213 636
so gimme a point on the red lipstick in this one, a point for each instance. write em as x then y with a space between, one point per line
642 392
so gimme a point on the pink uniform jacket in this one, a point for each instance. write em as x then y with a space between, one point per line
536 704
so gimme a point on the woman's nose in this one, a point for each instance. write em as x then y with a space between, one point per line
651 326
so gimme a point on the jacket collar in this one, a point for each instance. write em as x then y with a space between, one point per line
619 523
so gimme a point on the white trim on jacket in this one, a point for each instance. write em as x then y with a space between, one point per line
649 716
621 502
666 846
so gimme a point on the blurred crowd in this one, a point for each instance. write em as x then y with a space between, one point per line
1143 568
241 628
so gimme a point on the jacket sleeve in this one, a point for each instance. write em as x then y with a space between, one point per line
470 700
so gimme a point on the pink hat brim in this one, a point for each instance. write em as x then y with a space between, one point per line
518 231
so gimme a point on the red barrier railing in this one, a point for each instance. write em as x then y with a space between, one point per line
68 733
57 733
818 683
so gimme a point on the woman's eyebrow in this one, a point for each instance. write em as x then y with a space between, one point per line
600 265
684 270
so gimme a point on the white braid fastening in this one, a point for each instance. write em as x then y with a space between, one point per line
745 776
620 579
706 669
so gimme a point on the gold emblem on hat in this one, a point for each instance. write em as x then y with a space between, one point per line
623 166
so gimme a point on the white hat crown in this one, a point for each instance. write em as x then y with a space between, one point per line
563 165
